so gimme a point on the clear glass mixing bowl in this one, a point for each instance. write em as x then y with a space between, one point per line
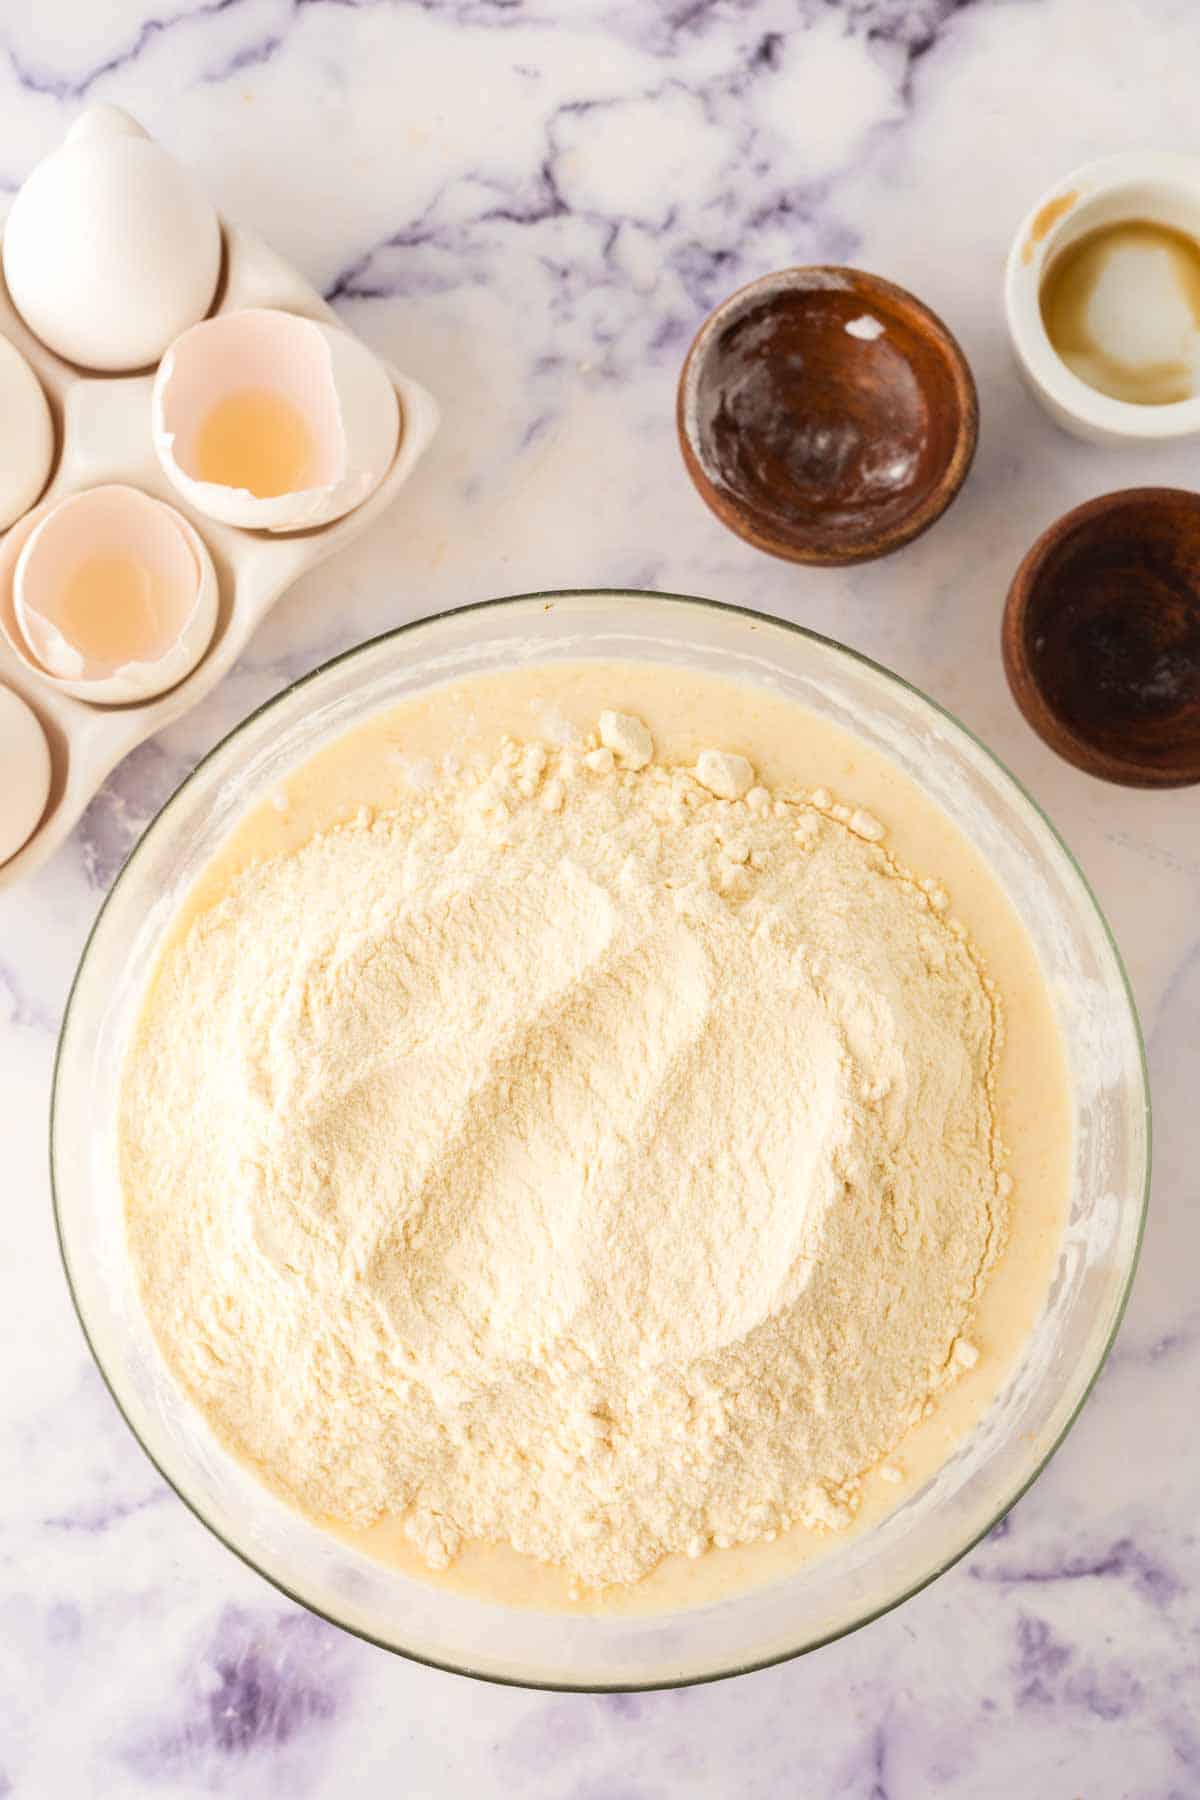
1026 1421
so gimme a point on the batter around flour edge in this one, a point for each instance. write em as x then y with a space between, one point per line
701 1203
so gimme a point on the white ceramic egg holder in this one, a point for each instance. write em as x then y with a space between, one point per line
102 424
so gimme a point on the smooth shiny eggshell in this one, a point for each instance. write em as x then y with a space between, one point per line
26 435
24 772
110 249
273 422
115 596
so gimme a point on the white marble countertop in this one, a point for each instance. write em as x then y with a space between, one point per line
531 204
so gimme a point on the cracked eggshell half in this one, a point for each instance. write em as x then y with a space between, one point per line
115 596
110 249
26 435
24 772
273 422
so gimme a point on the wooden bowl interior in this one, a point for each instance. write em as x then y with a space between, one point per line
818 431
1103 640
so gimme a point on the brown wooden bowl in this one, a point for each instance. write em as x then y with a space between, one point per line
826 415
1102 637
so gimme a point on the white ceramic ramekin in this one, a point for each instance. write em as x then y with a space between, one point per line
1158 185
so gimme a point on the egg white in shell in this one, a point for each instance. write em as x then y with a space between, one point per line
172 582
333 383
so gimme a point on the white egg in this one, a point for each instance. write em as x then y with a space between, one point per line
110 249
115 595
24 772
26 435
273 422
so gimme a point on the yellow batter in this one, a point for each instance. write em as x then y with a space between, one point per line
790 748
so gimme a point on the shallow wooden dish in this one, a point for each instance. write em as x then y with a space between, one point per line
826 415
1102 637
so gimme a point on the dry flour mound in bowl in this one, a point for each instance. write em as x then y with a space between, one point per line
587 1155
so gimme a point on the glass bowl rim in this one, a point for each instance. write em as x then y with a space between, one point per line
364 649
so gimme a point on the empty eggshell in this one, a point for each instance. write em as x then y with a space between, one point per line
110 249
115 595
24 772
273 422
26 435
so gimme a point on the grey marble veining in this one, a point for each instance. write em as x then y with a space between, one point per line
531 204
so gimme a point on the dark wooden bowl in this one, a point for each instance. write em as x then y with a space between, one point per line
814 434
1102 637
